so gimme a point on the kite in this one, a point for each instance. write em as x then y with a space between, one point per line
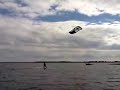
75 30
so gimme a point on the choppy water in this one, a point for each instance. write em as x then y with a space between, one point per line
59 76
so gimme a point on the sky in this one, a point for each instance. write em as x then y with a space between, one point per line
37 30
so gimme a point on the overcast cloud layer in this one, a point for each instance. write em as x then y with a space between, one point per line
38 30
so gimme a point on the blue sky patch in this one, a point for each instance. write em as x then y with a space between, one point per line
68 15
6 12
21 3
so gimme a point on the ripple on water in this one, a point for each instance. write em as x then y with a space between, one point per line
30 88
108 89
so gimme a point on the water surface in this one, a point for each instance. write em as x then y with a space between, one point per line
59 76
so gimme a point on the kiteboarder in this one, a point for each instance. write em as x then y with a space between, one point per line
44 65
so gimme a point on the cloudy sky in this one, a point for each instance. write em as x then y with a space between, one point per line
34 30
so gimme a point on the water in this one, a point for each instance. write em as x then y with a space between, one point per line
59 76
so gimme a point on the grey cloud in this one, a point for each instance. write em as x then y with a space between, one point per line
22 41
112 47
64 41
24 33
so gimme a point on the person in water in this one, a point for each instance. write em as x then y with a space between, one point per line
44 65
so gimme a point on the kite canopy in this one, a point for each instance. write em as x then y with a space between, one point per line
76 29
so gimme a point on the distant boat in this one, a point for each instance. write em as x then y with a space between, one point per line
88 64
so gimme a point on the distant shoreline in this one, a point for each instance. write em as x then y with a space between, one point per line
67 62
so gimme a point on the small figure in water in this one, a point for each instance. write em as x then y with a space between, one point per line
44 65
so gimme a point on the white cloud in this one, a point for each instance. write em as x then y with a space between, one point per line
51 39
20 40
22 31
42 7
87 7
32 9
91 7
